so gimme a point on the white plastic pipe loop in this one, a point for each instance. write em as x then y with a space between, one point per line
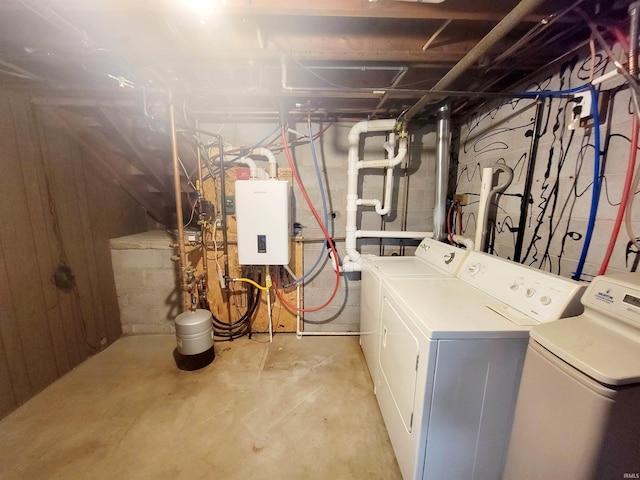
273 165
248 161
352 178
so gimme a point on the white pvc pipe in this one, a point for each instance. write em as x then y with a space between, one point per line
382 208
386 200
262 152
391 234
487 191
387 162
485 188
466 241
300 333
273 165
248 161
352 179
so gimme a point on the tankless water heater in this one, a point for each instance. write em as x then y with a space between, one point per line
263 221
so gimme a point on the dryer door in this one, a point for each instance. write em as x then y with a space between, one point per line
399 349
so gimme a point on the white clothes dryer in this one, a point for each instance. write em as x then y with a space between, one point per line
450 360
432 259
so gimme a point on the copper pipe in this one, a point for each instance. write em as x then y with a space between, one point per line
179 220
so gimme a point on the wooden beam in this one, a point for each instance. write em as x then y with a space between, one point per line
477 10
66 121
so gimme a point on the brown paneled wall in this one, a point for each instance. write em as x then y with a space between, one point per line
56 207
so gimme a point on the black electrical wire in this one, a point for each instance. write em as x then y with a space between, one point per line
240 327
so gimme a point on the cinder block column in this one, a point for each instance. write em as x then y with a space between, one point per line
146 282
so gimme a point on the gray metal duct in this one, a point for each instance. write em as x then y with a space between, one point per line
442 173
524 8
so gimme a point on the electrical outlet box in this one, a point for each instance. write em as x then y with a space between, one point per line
461 198
582 107
263 221
230 205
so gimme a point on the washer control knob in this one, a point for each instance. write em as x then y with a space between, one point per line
545 300
530 292
514 286
473 269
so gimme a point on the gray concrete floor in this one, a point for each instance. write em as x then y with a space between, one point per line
293 409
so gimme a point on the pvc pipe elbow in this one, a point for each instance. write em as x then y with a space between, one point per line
248 161
382 211
273 165
351 267
356 130
467 242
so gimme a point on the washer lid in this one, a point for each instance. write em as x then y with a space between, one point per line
605 355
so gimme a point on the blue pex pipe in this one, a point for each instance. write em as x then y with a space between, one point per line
324 208
597 185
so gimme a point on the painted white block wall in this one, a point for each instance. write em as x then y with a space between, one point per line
146 282
563 175
344 312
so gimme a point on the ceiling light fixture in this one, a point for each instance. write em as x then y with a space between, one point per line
203 7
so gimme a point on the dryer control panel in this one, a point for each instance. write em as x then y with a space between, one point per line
540 295
441 255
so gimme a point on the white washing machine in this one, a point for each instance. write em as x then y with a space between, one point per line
432 259
450 360
578 408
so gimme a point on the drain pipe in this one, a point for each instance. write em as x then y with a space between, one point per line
382 208
487 191
524 8
359 128
442 173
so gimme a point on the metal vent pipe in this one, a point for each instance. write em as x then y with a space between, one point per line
442 173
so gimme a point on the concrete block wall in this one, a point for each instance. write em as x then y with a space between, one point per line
343 314
563 174
146 281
